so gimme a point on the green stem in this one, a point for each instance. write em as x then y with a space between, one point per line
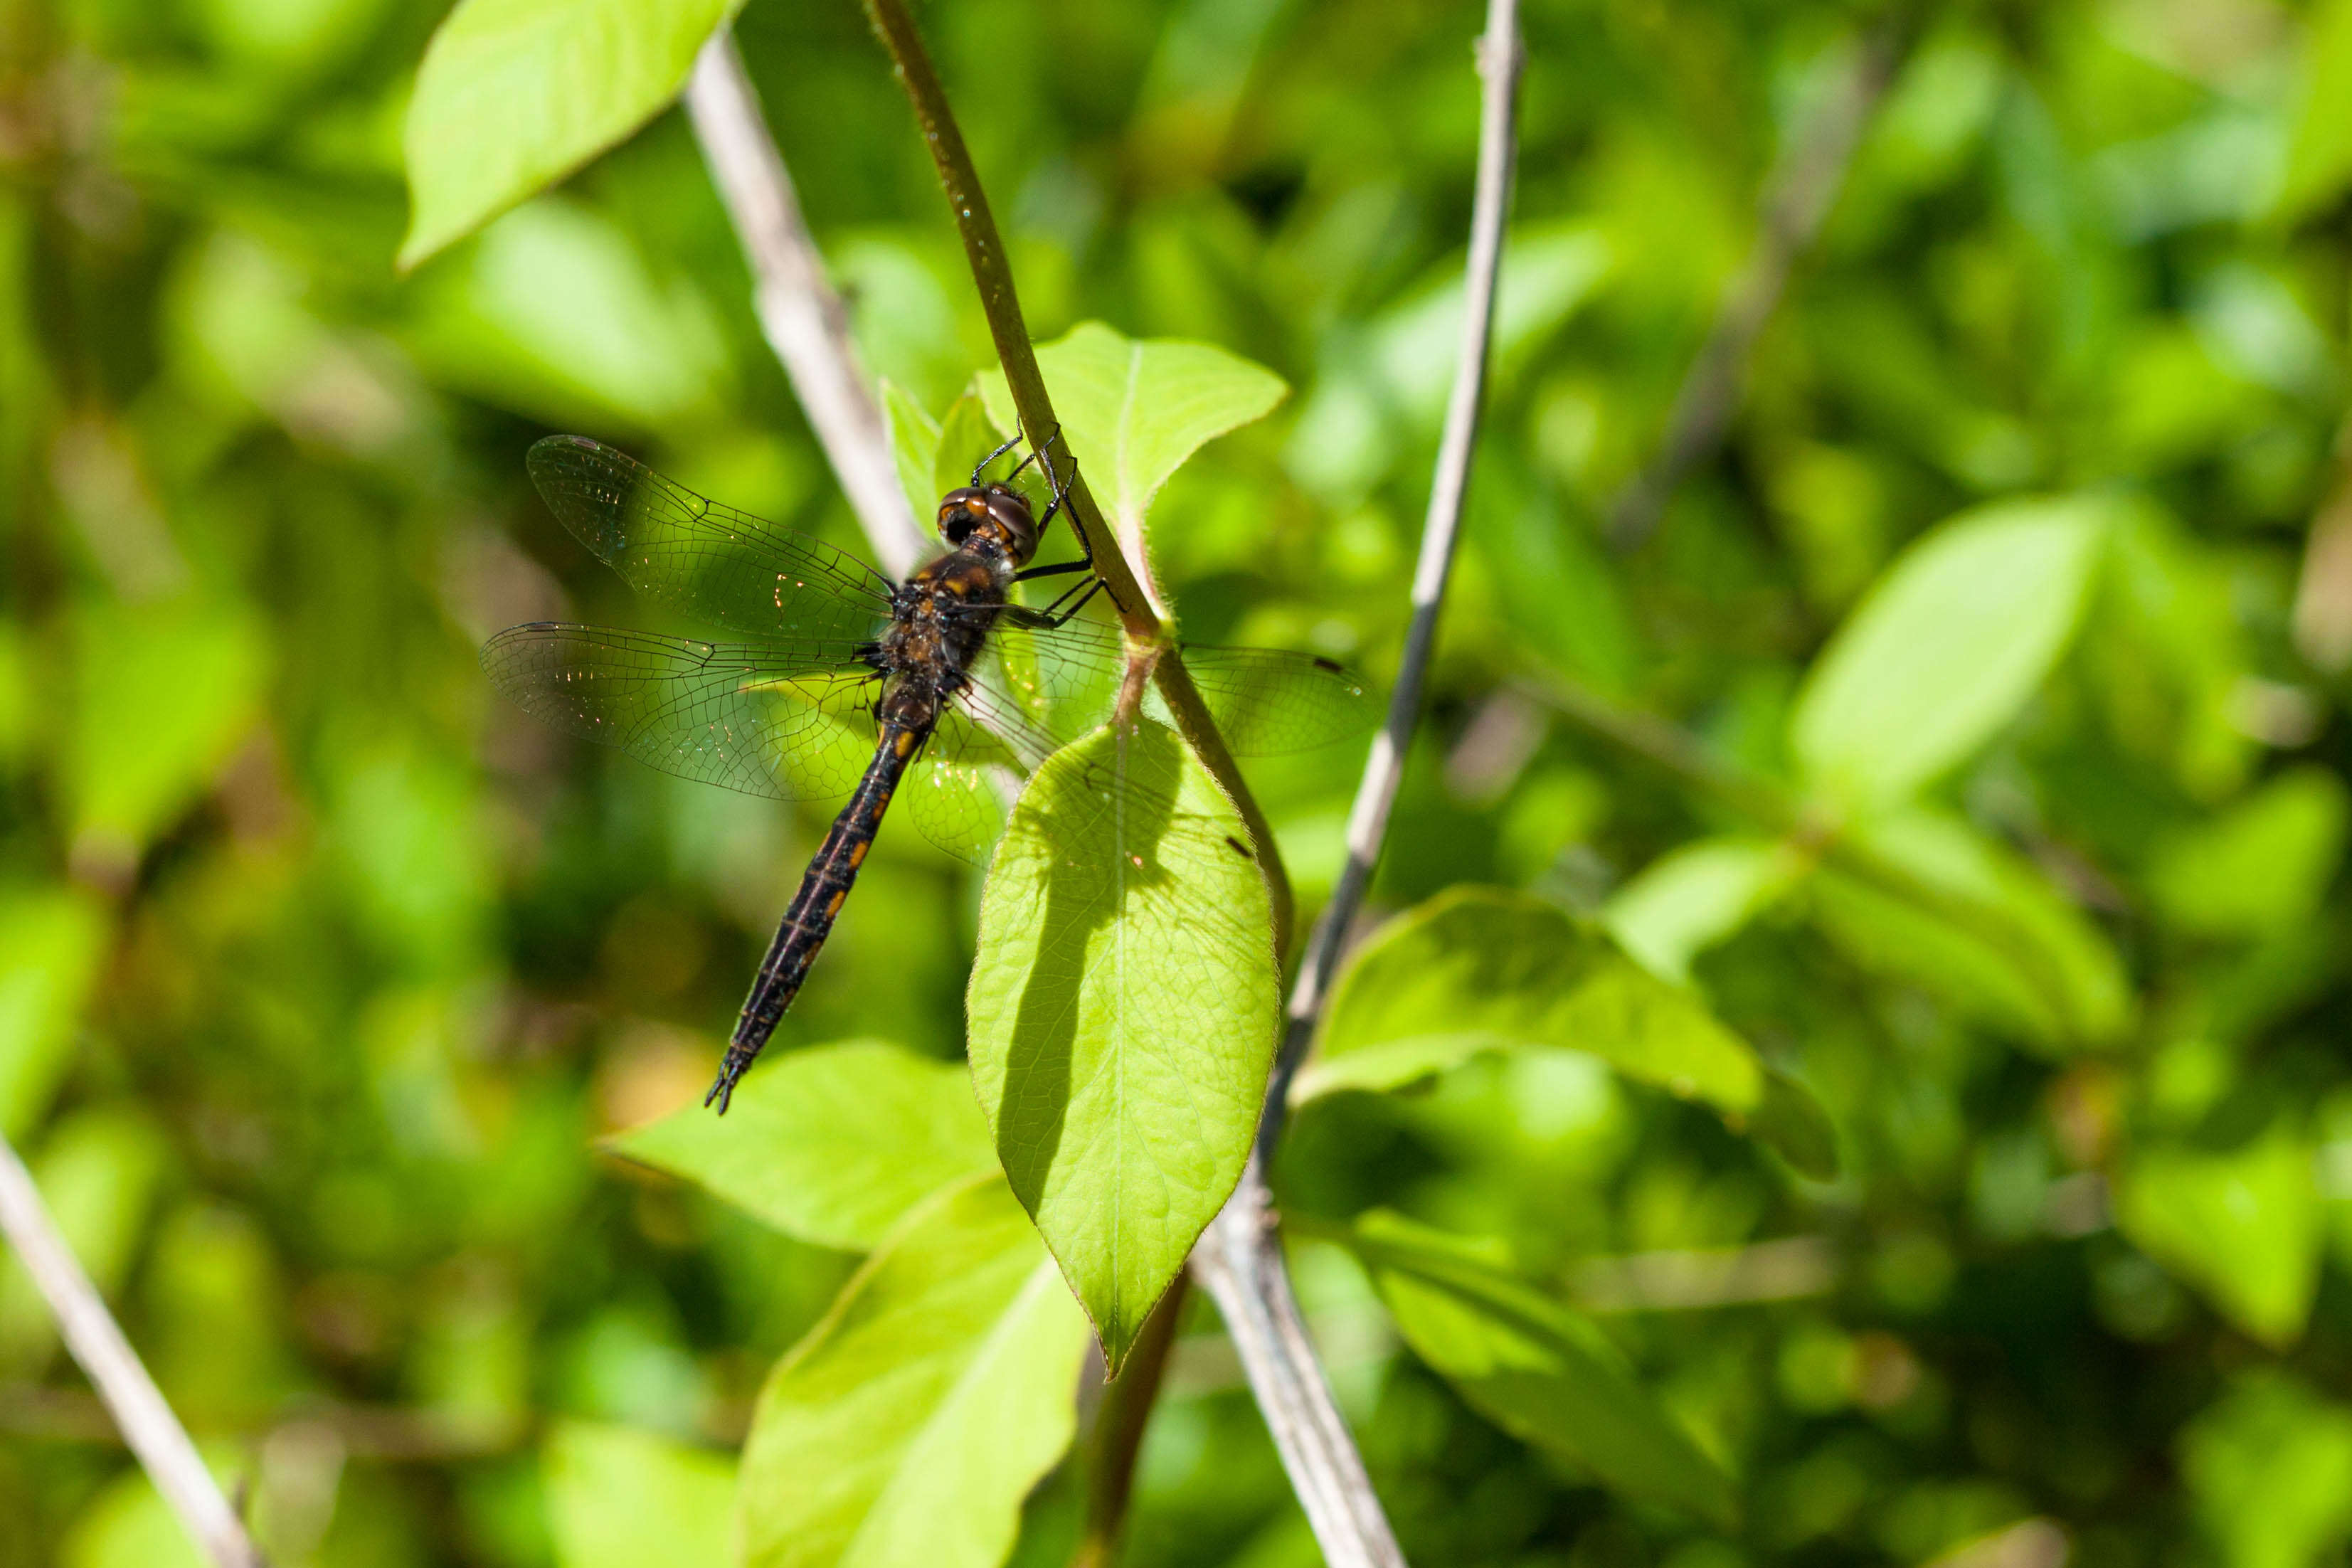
983 248
1119 1431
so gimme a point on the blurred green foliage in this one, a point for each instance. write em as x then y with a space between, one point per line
2020 601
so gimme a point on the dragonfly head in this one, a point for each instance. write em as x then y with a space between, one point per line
985 514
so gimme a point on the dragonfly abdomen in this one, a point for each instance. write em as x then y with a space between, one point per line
824 888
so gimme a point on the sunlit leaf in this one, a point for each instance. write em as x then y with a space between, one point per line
1133 409
1946 646
2270 1467
2244 1227
163 695
966 436
1535 1367
50 944
513 95
832 1144
618 1498
98 1171
1696 896
2319 158
914 444
2260 865
1480 969
904 1430
1972 921
1123 1012
555 313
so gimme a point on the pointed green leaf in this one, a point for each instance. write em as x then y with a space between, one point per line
914 444
1480 969
2243 1227
2262 865
50 946
2269 1465
1536 1367
1946 646
1977 924
618 1498
1132 410
905 1429
832 1144
1123 1010
1694 896
513 95
966 436
2319 158
163 694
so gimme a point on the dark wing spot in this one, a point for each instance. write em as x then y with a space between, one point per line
1240 848
1335 667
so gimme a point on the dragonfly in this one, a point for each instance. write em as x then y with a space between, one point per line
939 690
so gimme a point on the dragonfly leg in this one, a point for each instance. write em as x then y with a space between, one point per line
1054 614
982 466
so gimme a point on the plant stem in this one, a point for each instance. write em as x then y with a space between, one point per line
1796 202
1239 1260
800 314
115 1370
1118 1435
984 250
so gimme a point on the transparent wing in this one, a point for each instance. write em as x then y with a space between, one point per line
715 563
780 718
1266 701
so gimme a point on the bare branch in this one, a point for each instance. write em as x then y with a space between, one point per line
96 1341
800 312
1239 1261
1796 202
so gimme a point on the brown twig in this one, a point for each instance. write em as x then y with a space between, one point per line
800 314
115 1370
984 250
1796 202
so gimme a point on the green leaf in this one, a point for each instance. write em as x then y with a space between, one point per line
1133 410
1535 1367
1480 969
1696 896
832 1144
914 445
2319 157
513 95
50 946
1946 646
2243 1227
1123 1011
905 1429
618 1498
2261 866
1970 921
555 314
2270 1467
966 436
164 693
98 1171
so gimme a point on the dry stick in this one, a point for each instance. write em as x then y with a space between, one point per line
800 312
90 1332
1796 199
1239 1261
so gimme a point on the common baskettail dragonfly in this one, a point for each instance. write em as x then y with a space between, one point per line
845 681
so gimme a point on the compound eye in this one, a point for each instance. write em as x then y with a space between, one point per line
959 513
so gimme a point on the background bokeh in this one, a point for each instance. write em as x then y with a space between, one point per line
321 972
